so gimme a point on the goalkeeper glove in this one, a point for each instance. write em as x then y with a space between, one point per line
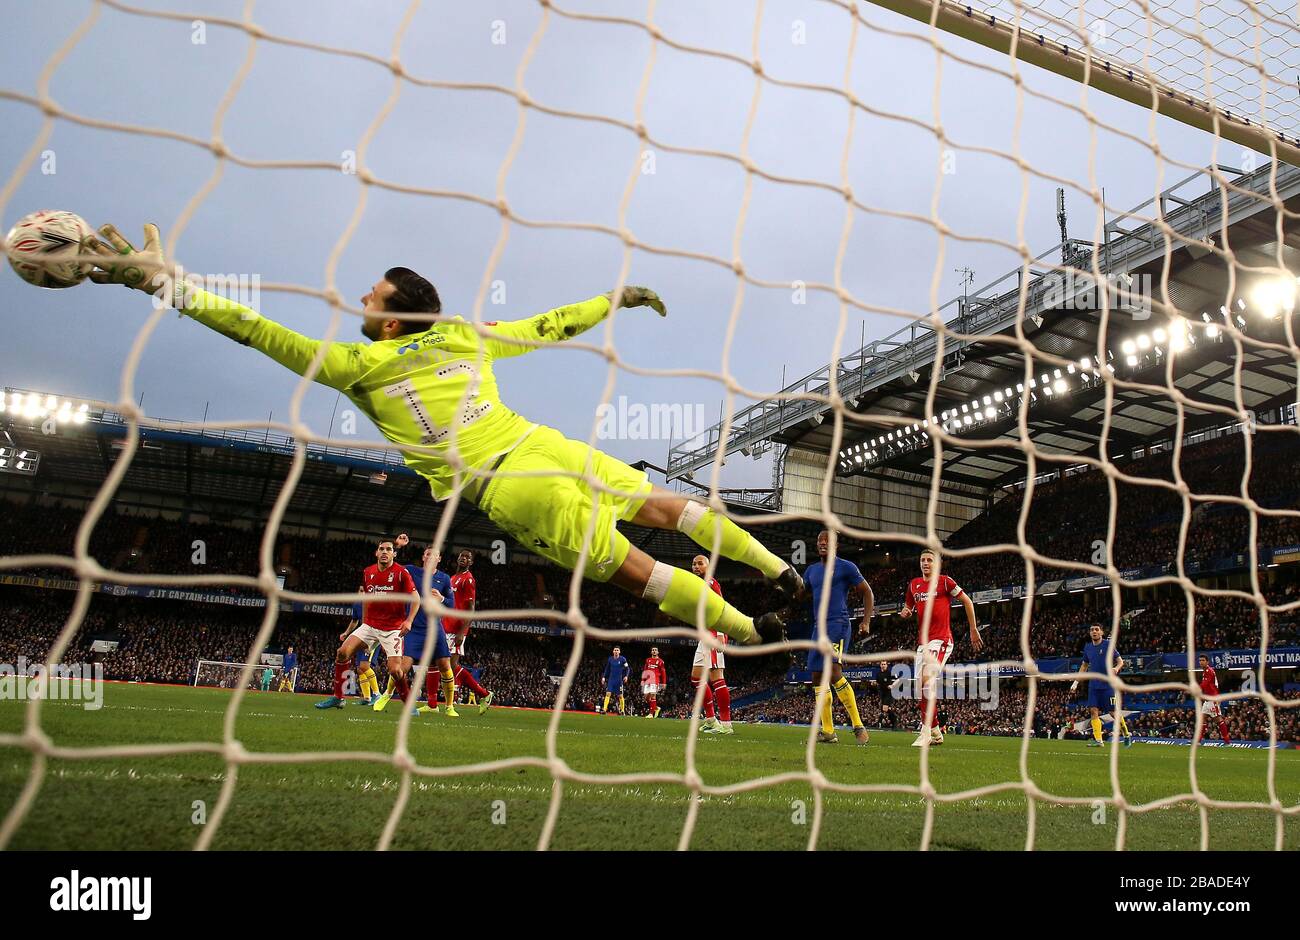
1074 686
144 270
631 296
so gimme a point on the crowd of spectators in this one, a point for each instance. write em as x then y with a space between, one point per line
161 641
1057 713
1068 520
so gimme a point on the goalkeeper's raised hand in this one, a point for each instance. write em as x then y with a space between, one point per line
144 269
632 296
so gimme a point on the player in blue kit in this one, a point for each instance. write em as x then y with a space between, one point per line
289 677
841 579
1096 653
616 673
422 632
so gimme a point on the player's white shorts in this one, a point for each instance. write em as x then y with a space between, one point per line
710 658
456 644
1212 709
649 688
930 659
389 640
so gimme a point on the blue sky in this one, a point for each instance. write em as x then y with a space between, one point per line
308 106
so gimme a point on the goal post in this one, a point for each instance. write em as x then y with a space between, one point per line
1029 33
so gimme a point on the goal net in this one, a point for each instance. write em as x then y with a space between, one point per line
806 184
265 678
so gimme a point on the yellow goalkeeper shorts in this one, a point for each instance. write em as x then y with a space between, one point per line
549 515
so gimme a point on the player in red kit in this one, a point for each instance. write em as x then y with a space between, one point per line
463 586
654 678
383 622
716 692
1210 686
934 638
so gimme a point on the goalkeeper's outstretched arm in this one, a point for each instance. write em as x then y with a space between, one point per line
516 337
149 271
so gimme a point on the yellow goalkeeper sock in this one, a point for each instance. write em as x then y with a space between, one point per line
605 707
825 712
844 692
448 686
1096 728
364 683
700 523
678 593
1123 727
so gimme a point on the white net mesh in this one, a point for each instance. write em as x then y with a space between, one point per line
1241 56
210 674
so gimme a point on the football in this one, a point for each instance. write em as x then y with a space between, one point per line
45 248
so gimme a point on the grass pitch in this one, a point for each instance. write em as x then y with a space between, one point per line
149 802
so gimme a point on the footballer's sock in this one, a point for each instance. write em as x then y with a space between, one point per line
448 689
402 687
465 677
722 695
1223 731
1096 729
620 704
391 686
844 692
824 711
339 670
1123 727
708 697
678 593
651 700
605 707
701 524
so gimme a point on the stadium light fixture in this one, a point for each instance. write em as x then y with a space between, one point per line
1274 296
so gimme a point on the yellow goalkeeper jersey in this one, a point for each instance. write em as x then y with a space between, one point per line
416 387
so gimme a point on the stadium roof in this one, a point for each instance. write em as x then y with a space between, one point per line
890 379
237 474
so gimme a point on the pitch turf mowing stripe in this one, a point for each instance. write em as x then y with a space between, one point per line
149 802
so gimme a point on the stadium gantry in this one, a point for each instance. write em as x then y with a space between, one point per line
1198 270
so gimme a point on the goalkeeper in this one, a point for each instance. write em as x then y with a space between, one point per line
430 385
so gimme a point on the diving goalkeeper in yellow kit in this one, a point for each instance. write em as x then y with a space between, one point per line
430 385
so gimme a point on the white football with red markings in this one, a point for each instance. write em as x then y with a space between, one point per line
46 248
